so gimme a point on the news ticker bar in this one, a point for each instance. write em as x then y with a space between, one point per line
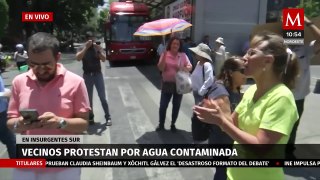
43 163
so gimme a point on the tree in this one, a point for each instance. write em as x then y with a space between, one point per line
92 24
311 7
4 18
103 15
69 16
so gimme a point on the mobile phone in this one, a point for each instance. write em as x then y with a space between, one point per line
29 115
201 103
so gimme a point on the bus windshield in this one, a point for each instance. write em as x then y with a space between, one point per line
123 27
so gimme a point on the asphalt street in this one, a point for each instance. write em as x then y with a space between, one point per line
133 95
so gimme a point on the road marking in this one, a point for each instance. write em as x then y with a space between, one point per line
118 77
108 171
107 77
184 120
3 152
94 173
140 125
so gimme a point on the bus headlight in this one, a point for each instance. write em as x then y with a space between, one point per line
110 52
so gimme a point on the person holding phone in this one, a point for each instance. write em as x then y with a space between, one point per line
91 55
29 115
56 94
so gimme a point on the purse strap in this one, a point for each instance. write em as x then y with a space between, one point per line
211 88
179 59
203 75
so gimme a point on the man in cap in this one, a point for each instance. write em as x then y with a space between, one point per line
220 55
20 56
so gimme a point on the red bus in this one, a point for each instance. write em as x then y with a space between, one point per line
124 19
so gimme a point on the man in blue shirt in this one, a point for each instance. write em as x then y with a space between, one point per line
6 136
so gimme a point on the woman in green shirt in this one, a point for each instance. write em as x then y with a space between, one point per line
267 112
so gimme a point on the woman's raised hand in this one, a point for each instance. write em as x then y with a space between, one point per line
213 111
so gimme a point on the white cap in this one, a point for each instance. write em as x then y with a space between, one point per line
19 46
220 40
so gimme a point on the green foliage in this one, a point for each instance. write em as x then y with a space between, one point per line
92 23
110 1
4 17
311 7
69 15
103 15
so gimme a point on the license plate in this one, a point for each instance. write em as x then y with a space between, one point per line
133 57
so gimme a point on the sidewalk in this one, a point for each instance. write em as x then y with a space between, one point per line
315 60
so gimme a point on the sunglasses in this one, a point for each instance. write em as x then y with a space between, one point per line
47 66
251 52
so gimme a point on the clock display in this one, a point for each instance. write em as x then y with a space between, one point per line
293 34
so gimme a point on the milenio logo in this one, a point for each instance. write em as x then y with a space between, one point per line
293 26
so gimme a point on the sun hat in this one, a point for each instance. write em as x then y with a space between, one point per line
220 40
202 50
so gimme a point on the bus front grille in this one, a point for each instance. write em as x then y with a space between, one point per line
133 51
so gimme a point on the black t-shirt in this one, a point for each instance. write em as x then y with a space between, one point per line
91 61
220 90
234 98
217 90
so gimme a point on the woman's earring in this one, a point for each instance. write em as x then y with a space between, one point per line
264 69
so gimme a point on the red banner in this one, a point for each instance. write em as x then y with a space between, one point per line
293 19
22 163
37 16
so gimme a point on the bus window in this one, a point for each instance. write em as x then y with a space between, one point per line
124 26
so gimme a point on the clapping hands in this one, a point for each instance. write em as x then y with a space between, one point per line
214 111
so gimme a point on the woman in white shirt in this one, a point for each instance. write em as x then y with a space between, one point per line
202 77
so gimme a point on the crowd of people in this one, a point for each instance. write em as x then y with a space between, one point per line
267 113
